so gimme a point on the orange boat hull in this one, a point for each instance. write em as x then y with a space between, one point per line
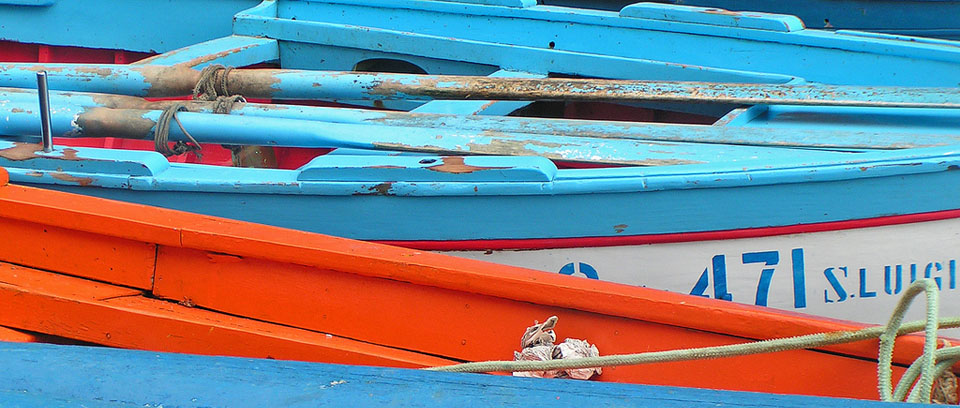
132 276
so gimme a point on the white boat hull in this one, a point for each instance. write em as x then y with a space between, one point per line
851 274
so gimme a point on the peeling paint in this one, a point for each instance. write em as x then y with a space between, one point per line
210 57
70 154
382 188
455 165
83 181
22 151
384 167
106 122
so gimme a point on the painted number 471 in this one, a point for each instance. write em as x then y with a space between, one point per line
717 272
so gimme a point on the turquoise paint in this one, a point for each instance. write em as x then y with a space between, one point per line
131 25
909 17
101 377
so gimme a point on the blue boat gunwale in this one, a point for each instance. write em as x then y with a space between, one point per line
559 14
163 176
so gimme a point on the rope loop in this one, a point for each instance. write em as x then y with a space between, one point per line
927 361
161 133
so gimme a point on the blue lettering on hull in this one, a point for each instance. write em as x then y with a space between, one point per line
837 278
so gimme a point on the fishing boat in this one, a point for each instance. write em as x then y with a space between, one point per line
103 376
921 18
723 205
133 276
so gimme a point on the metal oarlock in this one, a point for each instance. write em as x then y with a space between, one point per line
44 95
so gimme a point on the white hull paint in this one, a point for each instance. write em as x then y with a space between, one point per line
845 274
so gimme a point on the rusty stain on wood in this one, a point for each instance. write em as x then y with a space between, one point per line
455 165
379 189
384 167
106 122
83 181
21 151
100 72
70 154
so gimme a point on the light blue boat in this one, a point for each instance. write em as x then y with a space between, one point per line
43 375
922 18
849 191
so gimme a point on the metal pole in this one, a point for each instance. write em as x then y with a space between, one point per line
44 95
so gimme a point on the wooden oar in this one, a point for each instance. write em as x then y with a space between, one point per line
300 84
651 132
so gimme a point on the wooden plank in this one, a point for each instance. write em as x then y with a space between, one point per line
468 325
110 218
16 336
114 316
116 260
170 380
519 284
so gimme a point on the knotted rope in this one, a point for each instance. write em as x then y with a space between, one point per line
929 365
212 82
161 133
212 86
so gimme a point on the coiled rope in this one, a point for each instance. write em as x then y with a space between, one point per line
212 82
928 366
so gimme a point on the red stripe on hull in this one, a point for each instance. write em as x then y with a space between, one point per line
581 242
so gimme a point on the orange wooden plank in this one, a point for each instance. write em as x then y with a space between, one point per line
90 214
471 326
96 256
525 285
14 335
115 316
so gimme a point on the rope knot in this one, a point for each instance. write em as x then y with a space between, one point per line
161 133
212 82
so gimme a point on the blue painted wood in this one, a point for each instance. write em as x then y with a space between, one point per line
712 16
506 3
587 43
230 51
909 17
485 169
38 373
38 3
75 121
748 170
761 194
131 25
823 127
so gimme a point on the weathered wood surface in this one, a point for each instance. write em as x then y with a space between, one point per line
37 374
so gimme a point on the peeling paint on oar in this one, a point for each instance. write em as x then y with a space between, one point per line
299 84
